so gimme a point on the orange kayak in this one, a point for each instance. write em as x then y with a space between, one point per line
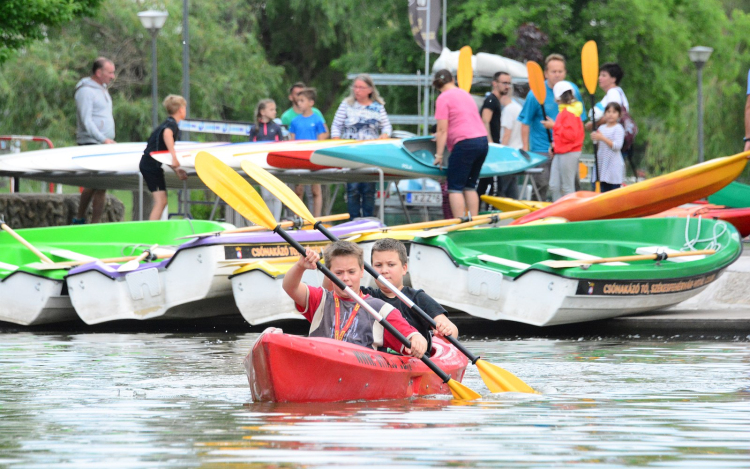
646 197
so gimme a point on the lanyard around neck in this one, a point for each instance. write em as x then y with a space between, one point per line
338 331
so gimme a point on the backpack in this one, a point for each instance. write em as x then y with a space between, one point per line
631 129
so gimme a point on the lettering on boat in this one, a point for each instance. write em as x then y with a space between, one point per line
257 251
365 358
635 287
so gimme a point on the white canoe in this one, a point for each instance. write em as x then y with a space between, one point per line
256 152
62 159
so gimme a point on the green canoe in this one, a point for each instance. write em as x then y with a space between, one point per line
735 195
31 294
499 274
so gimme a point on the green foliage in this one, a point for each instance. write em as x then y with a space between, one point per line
229 72
24 21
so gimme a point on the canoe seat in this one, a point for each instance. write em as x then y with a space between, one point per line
11 267
71 255
506 262
579 256
654 249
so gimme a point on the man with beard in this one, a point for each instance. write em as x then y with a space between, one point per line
492 109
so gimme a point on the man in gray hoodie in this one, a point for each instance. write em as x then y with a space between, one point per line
94 125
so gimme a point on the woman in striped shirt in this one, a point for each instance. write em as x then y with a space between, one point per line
361 116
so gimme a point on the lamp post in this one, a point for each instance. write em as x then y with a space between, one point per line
153 21
699 56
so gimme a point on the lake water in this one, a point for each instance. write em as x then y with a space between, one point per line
182 400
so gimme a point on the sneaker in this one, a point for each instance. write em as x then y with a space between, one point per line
79 221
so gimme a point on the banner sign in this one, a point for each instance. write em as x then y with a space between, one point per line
216 127
635 287
418 21
266 251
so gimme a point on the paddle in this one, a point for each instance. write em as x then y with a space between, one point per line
134 263
660 256
496 378
241 196
536 83
494 219
479 219
250 229
465 73
28 245
590 70
70 264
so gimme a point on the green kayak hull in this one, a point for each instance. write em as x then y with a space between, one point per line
735 195
498 273
34 296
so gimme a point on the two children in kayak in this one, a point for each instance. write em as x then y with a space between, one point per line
333 314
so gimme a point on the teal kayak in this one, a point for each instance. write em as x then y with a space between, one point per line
501 273
31 293
414 157
735 195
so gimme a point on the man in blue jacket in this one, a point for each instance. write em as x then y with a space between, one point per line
534 132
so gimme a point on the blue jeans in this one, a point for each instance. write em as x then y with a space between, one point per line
360 199
465 164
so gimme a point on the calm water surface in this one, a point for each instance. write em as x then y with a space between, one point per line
182 400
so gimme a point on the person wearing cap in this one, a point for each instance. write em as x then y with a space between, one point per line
533 127
460 128
567 138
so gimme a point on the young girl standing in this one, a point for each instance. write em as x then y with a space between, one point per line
610 136
265 130
567 137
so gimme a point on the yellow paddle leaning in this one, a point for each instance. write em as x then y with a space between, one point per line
590 69
241 196
465 73
496 378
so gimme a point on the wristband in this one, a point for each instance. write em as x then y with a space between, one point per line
746 139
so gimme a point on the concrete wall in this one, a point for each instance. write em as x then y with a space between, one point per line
36 210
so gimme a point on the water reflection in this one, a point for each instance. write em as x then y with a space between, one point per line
176 400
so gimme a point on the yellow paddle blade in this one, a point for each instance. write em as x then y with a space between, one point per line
285 194
462 392
590 66
500 380
465 74
536 81
233 189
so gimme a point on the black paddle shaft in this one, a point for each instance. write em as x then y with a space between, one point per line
544 118
386 325
413 306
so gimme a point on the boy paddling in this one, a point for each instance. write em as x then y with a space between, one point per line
389 259
335 315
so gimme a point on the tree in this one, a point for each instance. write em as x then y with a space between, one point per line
24 21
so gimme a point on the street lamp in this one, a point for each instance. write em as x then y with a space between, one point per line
699 56
153 21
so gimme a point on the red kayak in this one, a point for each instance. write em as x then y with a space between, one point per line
288 368
739 217
293 159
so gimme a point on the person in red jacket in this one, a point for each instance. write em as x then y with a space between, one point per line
568 141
